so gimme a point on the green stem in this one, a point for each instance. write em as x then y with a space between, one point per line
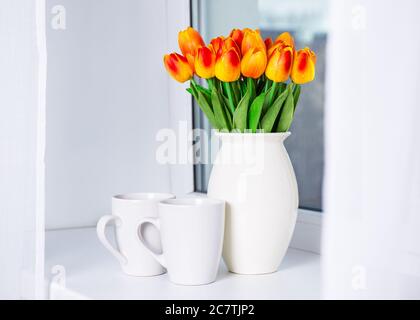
272 93
237 91
210 82
267 84
229 92
296 95
251 83
193 82
242 86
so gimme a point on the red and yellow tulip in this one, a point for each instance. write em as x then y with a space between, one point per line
268 43
282 41
287 39
280 64
189 41
217 45
237 35
205 62
253 63
252 39
178 67
303 70
228 66
230 43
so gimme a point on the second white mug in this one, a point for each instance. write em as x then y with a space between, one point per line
191 231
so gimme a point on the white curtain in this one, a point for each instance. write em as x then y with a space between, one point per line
371 240
22 105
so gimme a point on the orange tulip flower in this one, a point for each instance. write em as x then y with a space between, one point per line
252 39
282 41
268 43
287 39
249 29
205 62
303 70
237 35
253 63
230 43
217 45
189 41
178 67
280 64
228 66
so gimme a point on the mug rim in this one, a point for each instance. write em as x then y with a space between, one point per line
191 202
143 196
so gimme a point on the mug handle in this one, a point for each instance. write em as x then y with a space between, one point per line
100 231
155 222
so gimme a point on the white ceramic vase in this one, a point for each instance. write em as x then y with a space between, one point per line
254 175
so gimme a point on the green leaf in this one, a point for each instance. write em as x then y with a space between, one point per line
210 83
203 90
255 112
225 101
266 104
204 105
219 111
282 87
270 117
286 117
206 108
296 95
251 86
241 113
206 93
193 91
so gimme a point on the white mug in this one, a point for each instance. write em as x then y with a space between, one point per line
127 212
191 232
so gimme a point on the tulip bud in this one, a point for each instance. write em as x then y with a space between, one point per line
280 64
303 70
253 63
228 66
205 62
287 39
252 39
178 67
237 35
189 41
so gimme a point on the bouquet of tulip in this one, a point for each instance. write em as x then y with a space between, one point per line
248 86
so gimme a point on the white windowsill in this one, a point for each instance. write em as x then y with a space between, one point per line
92 273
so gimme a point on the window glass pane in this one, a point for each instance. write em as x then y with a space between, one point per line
307 21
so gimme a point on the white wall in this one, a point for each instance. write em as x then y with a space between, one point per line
107 98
